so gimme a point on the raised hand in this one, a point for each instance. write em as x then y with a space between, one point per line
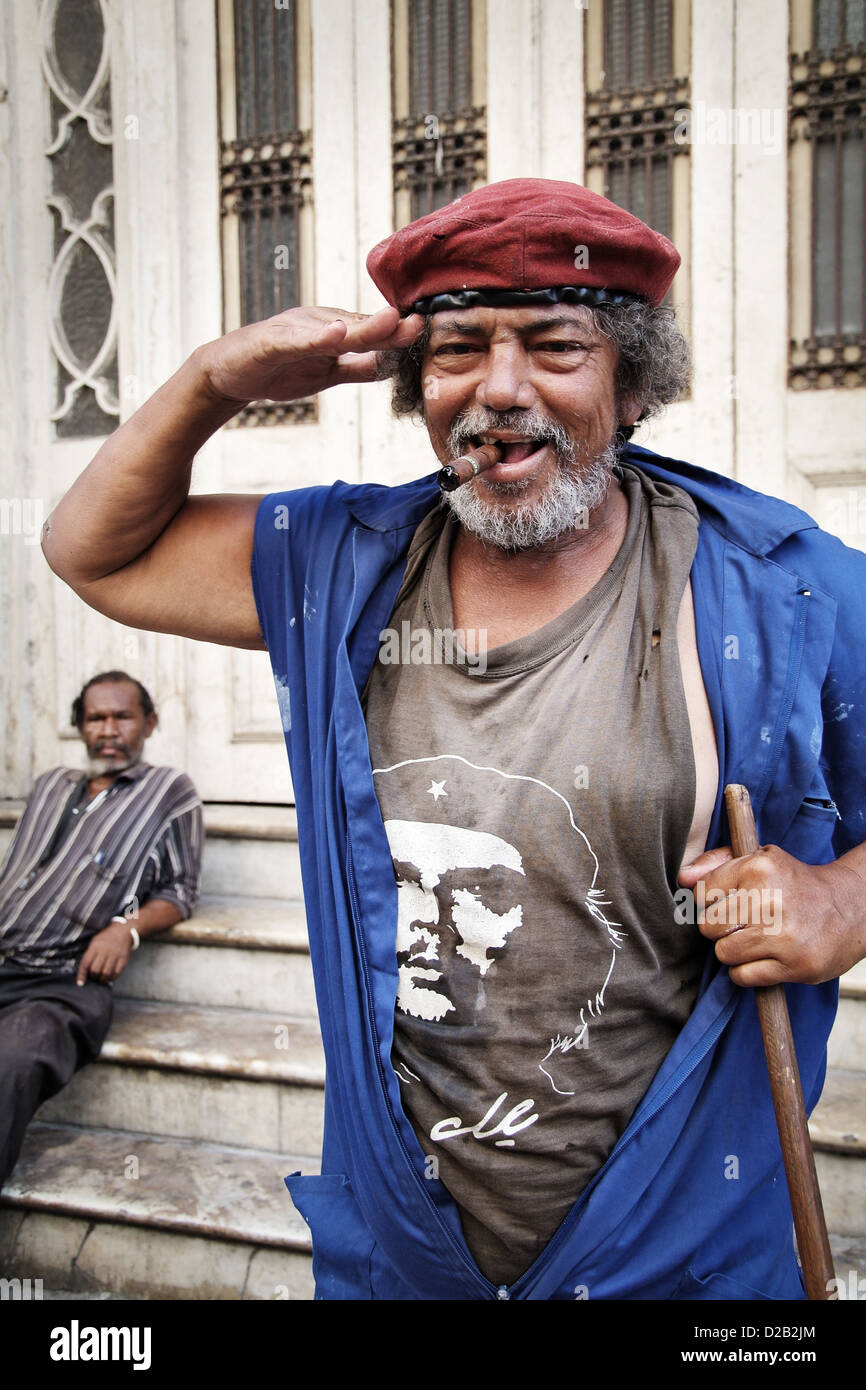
128 538
300 352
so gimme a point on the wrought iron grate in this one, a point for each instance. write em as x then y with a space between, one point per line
827 101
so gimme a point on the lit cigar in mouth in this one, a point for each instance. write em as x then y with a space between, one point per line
468 466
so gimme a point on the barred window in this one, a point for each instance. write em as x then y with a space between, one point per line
637 86
638 42
265 168
828 185
439 137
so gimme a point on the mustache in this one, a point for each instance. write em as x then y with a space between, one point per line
529 423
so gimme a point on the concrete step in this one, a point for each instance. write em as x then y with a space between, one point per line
842 1182
235 952
10 814
198 1222
251 851
225 1076
847 1044
838 1122
122 1212
838 1130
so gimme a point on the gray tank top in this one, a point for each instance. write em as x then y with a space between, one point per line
537 813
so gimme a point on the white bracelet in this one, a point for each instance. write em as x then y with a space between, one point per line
136 939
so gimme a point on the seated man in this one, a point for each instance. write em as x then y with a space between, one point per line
99 860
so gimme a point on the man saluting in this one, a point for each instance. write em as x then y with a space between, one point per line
536 1062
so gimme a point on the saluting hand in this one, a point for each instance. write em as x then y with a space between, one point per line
302 351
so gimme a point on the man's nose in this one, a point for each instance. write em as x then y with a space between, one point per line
505 383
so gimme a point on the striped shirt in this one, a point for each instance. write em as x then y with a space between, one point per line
142 839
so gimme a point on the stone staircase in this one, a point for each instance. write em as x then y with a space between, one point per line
838 1129
158 1173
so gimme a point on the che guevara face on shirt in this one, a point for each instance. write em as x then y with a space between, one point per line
459 897
495 884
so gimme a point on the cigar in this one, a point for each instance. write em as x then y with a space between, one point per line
468 466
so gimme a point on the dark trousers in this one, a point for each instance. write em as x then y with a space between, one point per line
49 1027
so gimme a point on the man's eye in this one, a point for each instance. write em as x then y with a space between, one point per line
456 349
559 345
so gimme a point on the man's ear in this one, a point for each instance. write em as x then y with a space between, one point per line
630 409
150 724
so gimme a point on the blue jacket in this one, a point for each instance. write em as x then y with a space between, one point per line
692 1203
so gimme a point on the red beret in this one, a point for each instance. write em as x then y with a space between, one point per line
523 235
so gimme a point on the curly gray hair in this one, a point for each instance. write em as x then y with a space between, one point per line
653 358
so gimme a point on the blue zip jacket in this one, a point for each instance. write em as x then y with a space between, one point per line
692 1203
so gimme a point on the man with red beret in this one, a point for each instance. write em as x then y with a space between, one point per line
543 1082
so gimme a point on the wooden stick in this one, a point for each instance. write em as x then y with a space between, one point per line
787 1092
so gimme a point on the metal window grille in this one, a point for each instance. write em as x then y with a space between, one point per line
266 173
440 147
837 24
638 41
631 121
828 109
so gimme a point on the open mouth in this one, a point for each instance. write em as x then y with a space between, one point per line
519 455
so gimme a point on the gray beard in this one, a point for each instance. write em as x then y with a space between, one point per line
102 767
566 503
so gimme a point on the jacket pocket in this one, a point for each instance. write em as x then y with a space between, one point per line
810 836
342 1241
722 1287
